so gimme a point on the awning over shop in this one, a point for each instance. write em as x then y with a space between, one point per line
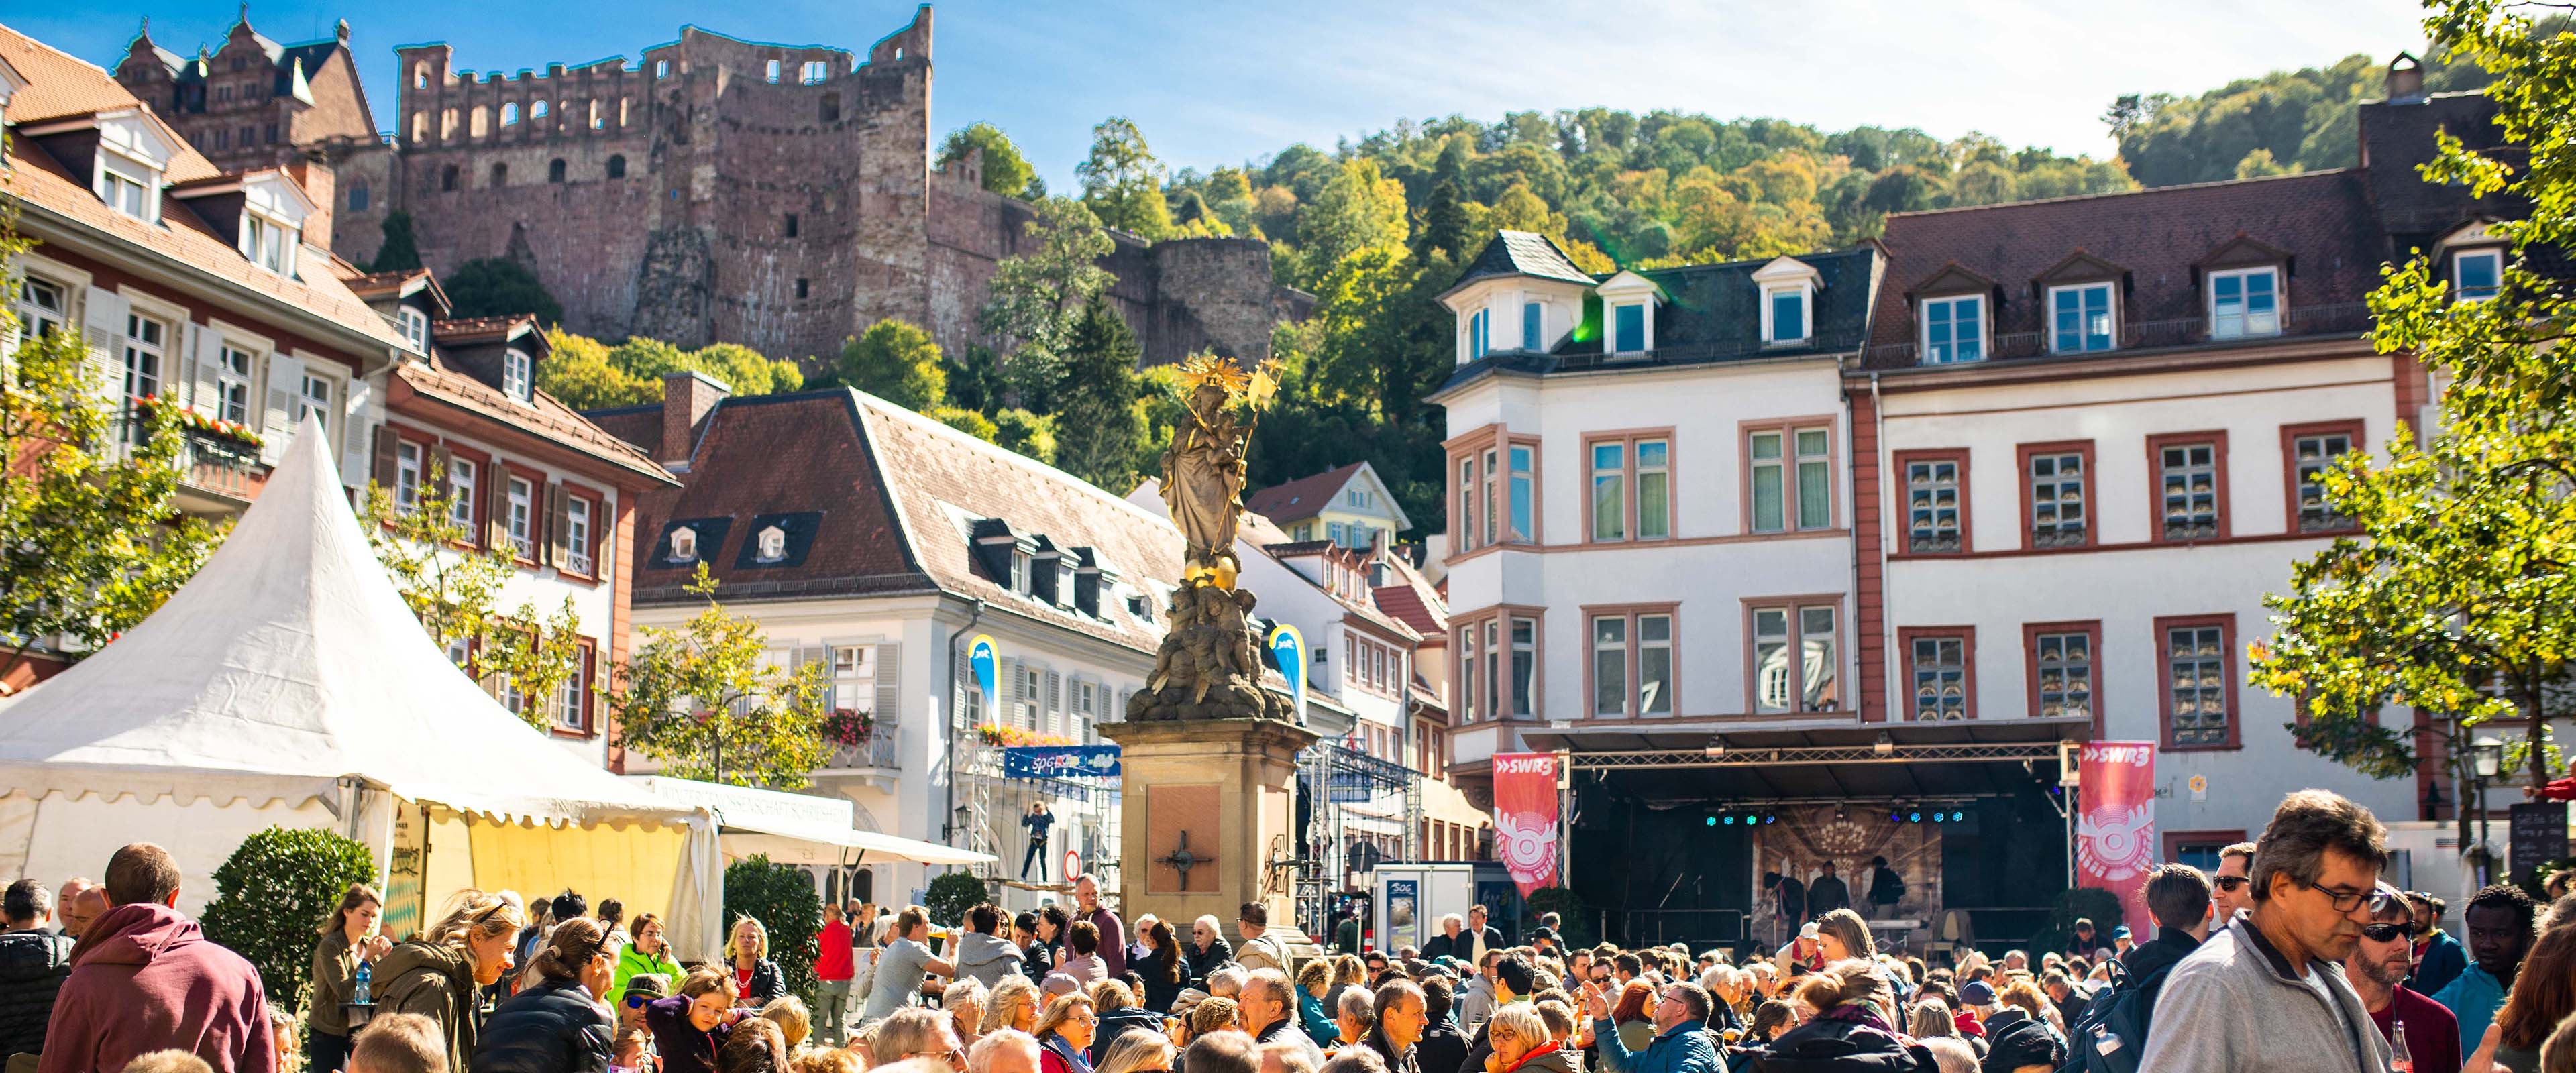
791 828
1820 761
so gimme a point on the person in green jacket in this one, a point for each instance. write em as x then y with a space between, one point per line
650 952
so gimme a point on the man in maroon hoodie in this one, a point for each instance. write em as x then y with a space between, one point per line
144 978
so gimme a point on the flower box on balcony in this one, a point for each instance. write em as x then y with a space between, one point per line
199 423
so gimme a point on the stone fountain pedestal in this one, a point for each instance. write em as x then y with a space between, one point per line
1207 805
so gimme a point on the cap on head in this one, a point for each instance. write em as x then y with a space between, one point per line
1808 930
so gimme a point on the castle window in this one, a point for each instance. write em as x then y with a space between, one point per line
271 134
800 287
537 110
597 122
446 123
510 114
419 126
617 166
816 71
224 138
831 108
773 72
661 69
791 225
475 127
420 76
500 175
622 103
358 197
555 170
447 179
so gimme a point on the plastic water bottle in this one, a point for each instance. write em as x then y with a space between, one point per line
365 984
2405 1060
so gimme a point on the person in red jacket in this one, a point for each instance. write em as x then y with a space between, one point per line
144 979
832 966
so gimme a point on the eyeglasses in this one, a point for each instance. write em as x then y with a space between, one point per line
2343 901
2380 933
2230 883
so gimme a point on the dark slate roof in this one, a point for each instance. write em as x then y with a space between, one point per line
1521 253
1712 315
2397 137
1300 498
2158 239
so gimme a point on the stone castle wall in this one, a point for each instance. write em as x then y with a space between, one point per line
681 175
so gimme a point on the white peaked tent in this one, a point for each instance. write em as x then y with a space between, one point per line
288 683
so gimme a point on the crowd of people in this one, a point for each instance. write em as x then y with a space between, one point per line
2292 956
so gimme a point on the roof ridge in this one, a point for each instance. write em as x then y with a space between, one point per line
2316 173
869 401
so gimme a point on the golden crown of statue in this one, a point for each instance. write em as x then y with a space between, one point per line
1254 387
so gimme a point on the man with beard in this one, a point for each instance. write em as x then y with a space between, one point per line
2377 968
2230 891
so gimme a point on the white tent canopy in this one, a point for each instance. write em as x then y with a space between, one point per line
288 668
804 829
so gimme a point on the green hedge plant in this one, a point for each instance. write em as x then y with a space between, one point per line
273 894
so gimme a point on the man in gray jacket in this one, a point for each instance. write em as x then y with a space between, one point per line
2268 993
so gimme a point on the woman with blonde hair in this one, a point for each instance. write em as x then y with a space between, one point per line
1522 1042
439 972
1138 1052
1014 1005
1064 1033
755 977
349 939
1314 981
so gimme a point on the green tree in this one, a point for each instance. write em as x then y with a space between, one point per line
966 421
2457 598
579 374
1099 434
897 362
747 370
91 538
1122 183
951 895
705 702
1444 221
456 591
1028 433
1360 208
499 287
1006 172
2259 163
1034 299
782 898
276 888
974 381
400 252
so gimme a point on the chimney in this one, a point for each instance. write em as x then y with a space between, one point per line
315 179
2405 78
687 397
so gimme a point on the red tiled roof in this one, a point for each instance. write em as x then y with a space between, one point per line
60 86
2322 219
544 415
374 285
1412 601
478 328
1301 498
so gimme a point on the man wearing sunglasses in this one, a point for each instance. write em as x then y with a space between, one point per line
2229 890
2377 969
2268 993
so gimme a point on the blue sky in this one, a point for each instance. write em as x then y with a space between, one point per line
1220 82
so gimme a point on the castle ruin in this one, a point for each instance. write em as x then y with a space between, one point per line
777 196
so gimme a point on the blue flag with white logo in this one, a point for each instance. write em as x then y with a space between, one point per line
986 665
1289 648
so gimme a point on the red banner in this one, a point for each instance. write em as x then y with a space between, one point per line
1525 817
2115 833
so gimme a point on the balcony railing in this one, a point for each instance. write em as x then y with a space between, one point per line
218 464
1701 353
877 751
2345 318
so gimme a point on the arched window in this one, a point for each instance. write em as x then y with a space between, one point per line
622 103
447 178
510 114
500 175
478 123
555 170
420 75
537 110
617 166
446 124
420 126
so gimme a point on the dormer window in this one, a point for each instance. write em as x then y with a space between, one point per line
684 545
2080 318
123 192
1785 315
2245 302
132 152
266 243
2476 275
517 375
414 326
773 544
1954 329
1628 328
1019 571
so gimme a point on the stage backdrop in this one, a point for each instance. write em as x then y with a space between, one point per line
1525 817
1805 837
2115 834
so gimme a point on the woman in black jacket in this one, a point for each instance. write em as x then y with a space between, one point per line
1207 952
755 977
557 1025
1049 949
1159 967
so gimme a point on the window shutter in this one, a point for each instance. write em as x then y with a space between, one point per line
205 351
889 698
353 406
1054 703
386 446
558 525
496 505
277 422
103 329
810 655
963 671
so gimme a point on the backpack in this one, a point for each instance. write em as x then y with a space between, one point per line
2110 1036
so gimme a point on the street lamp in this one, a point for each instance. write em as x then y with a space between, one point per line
2486 759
